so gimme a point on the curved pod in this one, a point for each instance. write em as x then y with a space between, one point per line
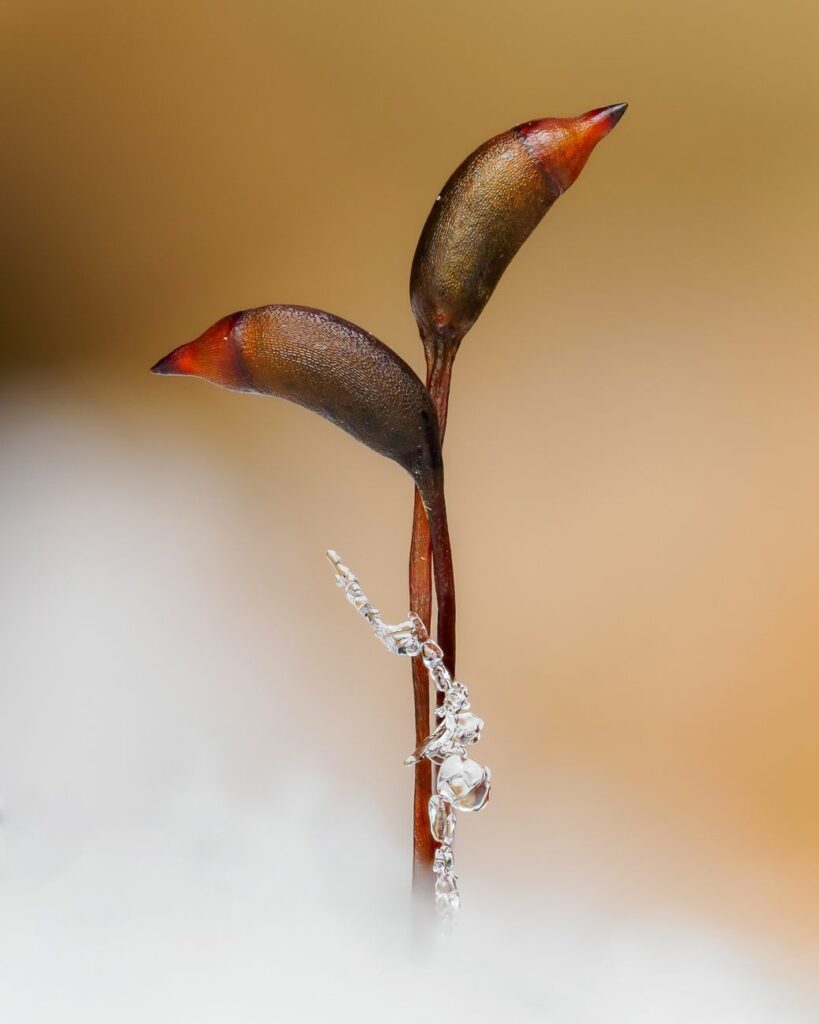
349 377
326 364
487 210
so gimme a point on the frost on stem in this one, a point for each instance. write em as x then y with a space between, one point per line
463 784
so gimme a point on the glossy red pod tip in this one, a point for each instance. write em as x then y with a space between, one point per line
562 145
211 356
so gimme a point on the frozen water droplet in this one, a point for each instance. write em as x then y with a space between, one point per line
464 783
441 820
431 654
438 746
456 699
443 860
467 727
400 639
370 614
440 676
447 897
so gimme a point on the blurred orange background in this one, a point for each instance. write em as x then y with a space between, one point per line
633 438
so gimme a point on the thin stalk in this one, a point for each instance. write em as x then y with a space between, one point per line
420 593
420 598
439 374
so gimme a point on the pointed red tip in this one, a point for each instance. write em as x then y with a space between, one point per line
603 119
616 111
562 145
165 365
178 362
214 356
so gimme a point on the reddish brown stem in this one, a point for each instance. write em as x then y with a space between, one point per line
420 587
420 596
439 375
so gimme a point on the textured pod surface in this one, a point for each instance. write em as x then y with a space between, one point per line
325 364
488 209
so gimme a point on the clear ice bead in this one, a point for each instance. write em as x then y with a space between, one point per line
440 676
443 860
456 698
447 897
400 639
467 727
464 783
438 746
441 820
431 653
371 615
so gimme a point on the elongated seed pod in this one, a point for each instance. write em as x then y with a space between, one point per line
487 210
326 364
338 370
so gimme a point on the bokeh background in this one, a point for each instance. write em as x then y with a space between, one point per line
204 810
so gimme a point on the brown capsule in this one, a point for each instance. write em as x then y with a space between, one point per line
487 210
326 364
346 375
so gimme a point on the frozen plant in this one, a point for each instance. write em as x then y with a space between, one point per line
481 217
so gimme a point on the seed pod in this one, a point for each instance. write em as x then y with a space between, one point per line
325 364
343 373
487 210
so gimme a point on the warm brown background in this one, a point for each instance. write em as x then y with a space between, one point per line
634 426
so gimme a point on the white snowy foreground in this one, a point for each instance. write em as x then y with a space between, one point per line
173 849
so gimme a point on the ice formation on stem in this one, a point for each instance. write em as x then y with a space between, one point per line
462 784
